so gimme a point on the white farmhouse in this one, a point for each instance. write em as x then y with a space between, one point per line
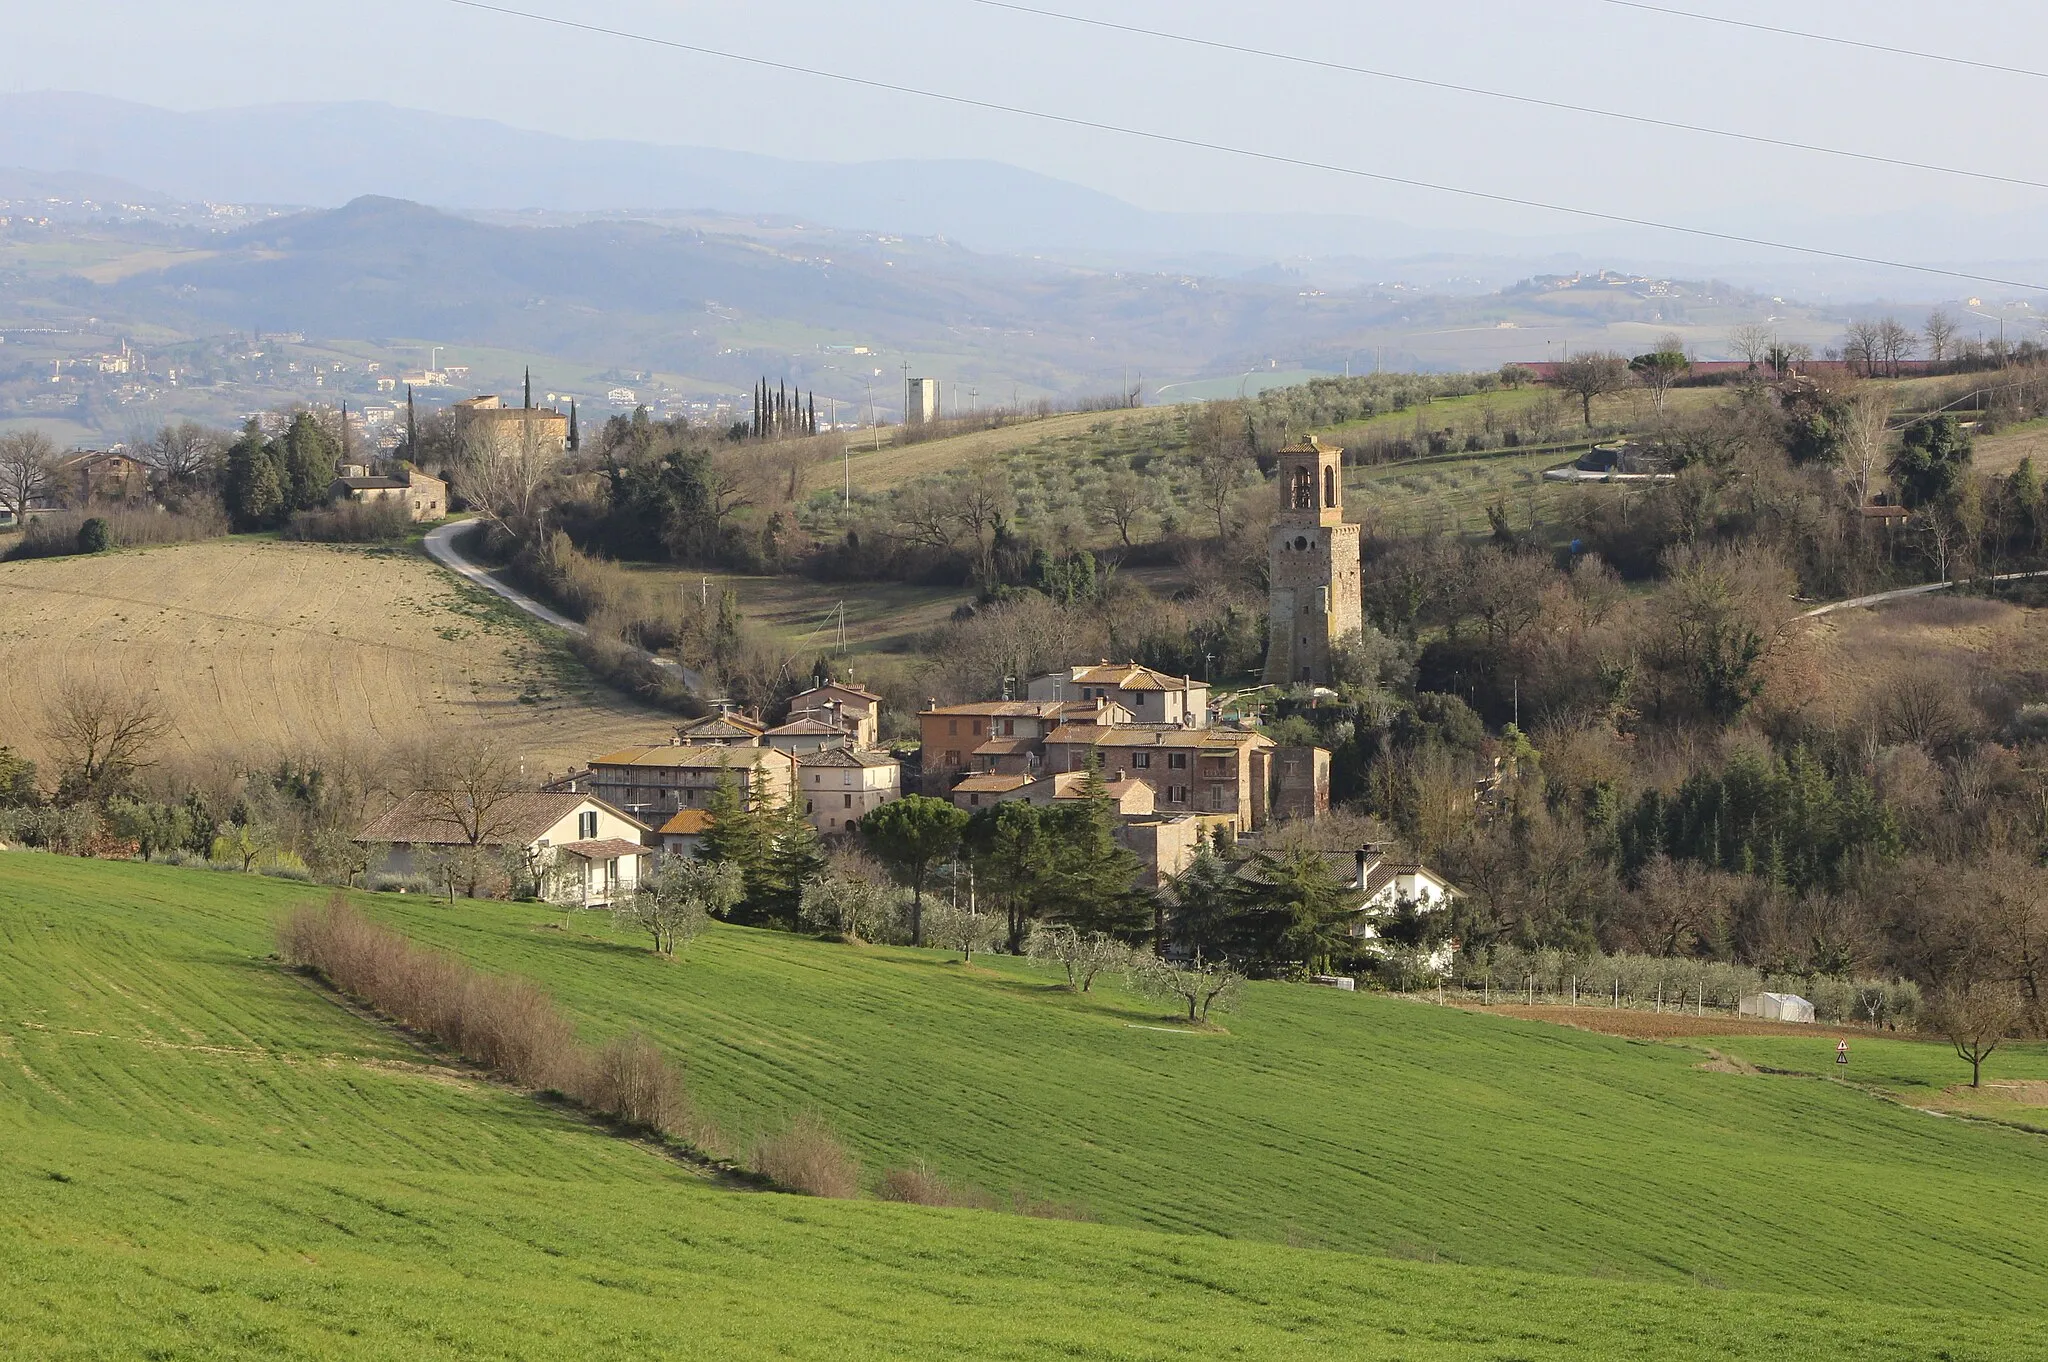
581 849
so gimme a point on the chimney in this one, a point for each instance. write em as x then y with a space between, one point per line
1361 868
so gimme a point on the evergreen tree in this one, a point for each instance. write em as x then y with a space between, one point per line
255 492
1013 860
575 440
910 835
739 835
798 855
309 458
1204 902
412 430
1091 875
526 404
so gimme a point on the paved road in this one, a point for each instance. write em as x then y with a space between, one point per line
441 548
1864 602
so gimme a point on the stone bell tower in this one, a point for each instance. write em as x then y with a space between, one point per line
1313 567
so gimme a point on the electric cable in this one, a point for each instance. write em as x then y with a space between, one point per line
1269 157
1536 101
1828 38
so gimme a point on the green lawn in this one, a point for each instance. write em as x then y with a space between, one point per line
206 1157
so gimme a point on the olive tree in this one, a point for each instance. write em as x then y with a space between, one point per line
677 901
1082 956
1202 986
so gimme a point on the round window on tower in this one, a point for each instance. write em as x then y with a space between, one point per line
1300 543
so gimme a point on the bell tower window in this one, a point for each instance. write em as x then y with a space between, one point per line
1302 495
1329 485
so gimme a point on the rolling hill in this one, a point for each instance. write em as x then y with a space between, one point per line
258 648
249 1169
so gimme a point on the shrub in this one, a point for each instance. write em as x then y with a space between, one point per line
54 536
808 1158
920 1185
632 1080
352 522
94 536
401 884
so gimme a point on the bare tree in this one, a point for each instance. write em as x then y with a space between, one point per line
1863 343
855 905
103 736
1975 1021
1124 503
473 788
1896 343
1864 448
1201 985
504 480
25 460
982 504
1590 375
1081 956
1940 329
963 927
1753 343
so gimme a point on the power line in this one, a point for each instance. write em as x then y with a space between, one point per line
1270 157
1532 100
1828 38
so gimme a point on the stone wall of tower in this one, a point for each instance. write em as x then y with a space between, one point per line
1312 560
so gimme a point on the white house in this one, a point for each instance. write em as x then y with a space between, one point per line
1382 887
1784 1007
579 848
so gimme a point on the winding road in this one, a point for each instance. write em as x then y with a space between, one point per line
441 548
1864 602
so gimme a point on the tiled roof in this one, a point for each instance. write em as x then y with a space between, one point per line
722 726
992 784
843 686
1158 735
844 756
1005 747
516 820
688 823
806 728
374 484
603 849
691 755
1128 676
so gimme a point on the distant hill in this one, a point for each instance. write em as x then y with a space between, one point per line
324 155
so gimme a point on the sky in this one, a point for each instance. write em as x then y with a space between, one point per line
437 55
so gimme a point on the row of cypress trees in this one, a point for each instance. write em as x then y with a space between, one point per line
779 413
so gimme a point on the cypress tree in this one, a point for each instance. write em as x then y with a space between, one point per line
412 431
575 440
527 405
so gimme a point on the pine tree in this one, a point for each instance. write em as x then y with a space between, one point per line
798 855
739 835
308 463
1092 875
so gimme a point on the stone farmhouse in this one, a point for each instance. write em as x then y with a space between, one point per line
1150 696
425 498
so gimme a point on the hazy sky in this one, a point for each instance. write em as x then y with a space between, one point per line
435 55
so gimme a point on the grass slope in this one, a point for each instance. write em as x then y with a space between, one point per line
266 646
205 1157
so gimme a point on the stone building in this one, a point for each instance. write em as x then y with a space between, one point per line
1314 567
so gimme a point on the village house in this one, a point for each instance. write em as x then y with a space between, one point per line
1221 771
1128 798
807 733
425 498
1381 887
683 833
728 728
1003 736
840 784
489 426
575 848
858 712
89 475
1151 696
656 782
1301 782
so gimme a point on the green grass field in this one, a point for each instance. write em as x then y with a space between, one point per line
207 1157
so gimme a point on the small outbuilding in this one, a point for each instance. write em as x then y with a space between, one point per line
1784 1007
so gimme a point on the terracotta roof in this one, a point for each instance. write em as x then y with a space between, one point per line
1157 735
847 687
1005 747
1008 709
1128 676
844 756
806 728
687 823
374 484
993 784
682 754
513 821
603 849
1378 877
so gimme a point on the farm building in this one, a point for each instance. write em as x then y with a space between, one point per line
424 497
1785 1007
